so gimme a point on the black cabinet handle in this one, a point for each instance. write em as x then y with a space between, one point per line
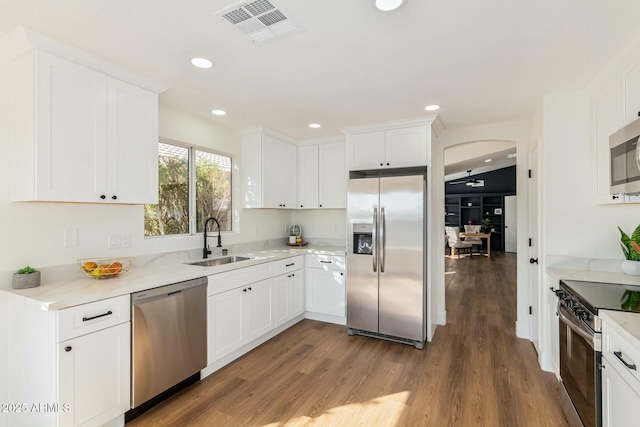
638 113
533 260
325 262
244 290
342 274
293 275
114 197
387 164
67 348
289 265
615 196
320 205
618 354
102 196
86 319
249 288
300 205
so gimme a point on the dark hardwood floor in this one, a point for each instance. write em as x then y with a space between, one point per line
474 373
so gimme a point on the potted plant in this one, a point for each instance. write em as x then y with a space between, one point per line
486 225
631 249
27 277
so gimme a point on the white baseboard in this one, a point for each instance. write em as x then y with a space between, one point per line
225 360
338 320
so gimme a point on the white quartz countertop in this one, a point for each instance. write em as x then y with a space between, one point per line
627 324
592 276
67 293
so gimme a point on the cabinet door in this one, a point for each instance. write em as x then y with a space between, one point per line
259 308
332 175
609 118
70 131
281 311
278 173
132 144
325 292
295 294
632 94
406 147
225 323
308 177
366 151
94 376
620 396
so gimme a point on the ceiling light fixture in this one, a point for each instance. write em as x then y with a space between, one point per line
488 160
388 5
432 107
314 125
218 112
201 63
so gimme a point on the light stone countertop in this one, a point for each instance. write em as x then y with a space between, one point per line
160 270
625 323
592 276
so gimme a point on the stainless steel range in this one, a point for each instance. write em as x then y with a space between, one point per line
581 345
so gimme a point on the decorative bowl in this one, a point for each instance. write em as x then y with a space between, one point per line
105 268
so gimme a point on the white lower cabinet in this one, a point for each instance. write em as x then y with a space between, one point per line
238 316
325 296
289 296
248 304
94 372
620 378
71 367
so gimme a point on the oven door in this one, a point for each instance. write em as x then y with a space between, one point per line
580 358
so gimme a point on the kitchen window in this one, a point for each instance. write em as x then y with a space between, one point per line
193 185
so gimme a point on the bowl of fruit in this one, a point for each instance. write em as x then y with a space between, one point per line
105 268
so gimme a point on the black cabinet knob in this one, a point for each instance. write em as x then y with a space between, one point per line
381 164
67 348
114 197
387 164
244 290
249 288
300 205
615 196
102 196
638 113
320 205
533 260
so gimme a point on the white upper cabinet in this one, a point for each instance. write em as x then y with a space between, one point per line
81 135
332 175
268 171
632 94
392 148
308 176
322 176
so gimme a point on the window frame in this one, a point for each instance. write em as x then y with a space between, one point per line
191 160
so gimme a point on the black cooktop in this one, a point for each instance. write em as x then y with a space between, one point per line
605 296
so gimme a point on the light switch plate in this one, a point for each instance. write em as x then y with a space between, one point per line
118 241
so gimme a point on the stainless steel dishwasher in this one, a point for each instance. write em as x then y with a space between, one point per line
169 338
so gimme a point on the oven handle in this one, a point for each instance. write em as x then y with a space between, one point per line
590 338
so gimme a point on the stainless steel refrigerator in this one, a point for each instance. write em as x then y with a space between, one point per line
386 256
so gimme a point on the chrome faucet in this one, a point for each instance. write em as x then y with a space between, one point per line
205 250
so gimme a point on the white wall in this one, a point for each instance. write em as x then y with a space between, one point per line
321 224
518 132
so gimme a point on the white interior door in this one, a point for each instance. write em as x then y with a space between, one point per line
511 224
534 265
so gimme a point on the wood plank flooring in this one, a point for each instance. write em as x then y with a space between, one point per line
474 373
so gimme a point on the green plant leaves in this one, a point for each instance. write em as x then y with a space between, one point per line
625 244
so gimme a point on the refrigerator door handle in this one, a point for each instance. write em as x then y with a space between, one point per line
382 239
374 241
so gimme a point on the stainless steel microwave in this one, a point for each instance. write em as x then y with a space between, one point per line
625 159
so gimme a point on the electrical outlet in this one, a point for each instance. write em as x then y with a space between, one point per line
118 241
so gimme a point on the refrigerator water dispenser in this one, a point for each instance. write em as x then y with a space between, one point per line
362 239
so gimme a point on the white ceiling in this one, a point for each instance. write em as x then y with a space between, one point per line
483 61
473 155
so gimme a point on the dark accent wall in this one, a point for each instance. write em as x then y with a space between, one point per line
498 181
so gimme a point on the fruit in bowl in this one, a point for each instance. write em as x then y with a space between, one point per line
104 268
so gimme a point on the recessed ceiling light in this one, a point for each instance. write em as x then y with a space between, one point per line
488 160
388 5
202 63
314 125
432 107
218 112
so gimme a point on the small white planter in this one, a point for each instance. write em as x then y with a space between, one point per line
631 268
292 239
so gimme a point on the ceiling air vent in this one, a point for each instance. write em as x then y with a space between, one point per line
261 19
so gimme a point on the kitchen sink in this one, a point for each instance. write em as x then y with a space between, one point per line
220 261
